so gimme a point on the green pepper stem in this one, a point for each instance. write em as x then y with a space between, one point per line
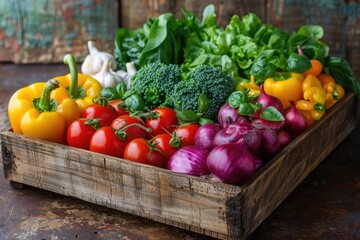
73 88
44 103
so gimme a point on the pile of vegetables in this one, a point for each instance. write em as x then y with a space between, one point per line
191 96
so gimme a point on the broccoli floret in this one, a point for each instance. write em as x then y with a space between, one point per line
206 79
155 81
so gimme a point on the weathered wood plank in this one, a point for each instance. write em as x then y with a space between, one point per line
294 163
134 188
196 204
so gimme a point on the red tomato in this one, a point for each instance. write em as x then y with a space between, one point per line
119 110
105 141
106 113
140 150
164 120
132 132
80 132
167 143
187 133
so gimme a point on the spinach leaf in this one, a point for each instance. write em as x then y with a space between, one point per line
342 72
298 63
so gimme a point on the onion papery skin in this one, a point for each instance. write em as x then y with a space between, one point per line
231 163
190 160
295 122
270 144
205 135
228 115
240 132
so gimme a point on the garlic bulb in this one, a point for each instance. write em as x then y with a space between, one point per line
95 60
126 75
106 76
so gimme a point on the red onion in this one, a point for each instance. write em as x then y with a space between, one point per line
258 162
284 138
189 160
274 125
295 121
240 132
205 135
270 144
266 100
231 163
228 115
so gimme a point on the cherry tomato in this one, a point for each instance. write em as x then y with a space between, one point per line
80 132
106 113
106 141
164 120
132 131
167 143
142 151
187 133
119 110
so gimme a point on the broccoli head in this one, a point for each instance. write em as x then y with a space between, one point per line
155 81
207 80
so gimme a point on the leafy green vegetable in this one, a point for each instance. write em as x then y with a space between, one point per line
343 74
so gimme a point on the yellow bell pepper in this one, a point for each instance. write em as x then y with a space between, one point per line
310 81
285 86
42 110
314 100
81 87
334 92
254 89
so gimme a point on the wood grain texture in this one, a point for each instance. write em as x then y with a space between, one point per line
199 205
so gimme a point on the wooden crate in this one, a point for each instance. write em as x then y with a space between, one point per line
199 205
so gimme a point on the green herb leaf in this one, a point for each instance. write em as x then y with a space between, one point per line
203 103
314 31
271 114
247 108
109 93
236 98
342 72
135 103
298 63
186 116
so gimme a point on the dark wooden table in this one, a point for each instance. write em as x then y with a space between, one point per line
325 206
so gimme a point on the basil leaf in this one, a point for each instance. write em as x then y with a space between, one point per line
314 31
236 98
186 116
342 72
298 63
271 114
134 103
203 121
246 108
121 89
262 69
109 93
203 103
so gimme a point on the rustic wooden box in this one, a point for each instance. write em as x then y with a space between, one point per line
199 205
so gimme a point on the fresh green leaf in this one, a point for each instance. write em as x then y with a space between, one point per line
314 31
135 103
271 114
186 116
247 108
341 70
298 63
203 103
236 98
109 93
